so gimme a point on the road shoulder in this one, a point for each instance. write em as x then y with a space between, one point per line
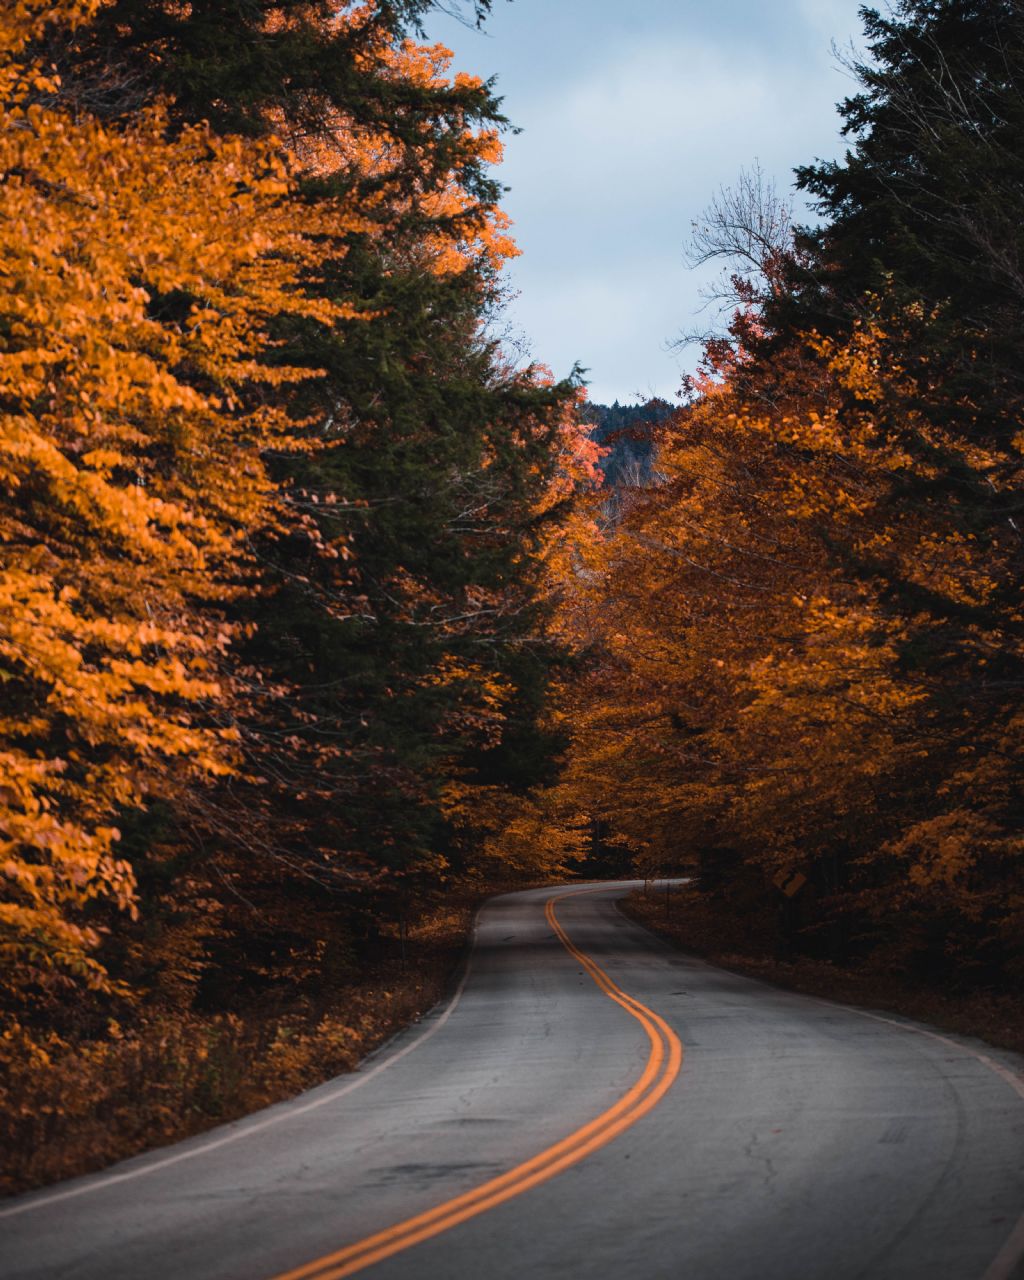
685 921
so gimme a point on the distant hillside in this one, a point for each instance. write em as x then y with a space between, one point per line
625 430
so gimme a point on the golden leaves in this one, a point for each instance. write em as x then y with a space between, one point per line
143 272
129 469
762 622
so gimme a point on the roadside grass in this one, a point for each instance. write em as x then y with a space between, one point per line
690 921
68 1108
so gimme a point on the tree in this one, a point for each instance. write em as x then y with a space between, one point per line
749 227
790 668
924 208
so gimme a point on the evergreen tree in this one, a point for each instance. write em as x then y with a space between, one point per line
924 209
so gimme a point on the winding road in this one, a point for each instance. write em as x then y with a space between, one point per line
589 1104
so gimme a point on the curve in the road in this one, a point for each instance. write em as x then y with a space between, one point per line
811 1142
660 1070
1006 1262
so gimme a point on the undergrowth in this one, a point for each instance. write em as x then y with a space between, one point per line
72 1105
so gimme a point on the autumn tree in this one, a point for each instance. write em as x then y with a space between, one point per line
764 698
130 465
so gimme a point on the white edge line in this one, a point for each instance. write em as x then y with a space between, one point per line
245 1130
1005 1262
1015 1081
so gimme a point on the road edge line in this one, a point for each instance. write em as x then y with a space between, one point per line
98 1182
1006 1261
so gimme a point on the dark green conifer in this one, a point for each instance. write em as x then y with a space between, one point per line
925 207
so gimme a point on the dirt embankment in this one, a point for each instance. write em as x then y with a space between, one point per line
78 1105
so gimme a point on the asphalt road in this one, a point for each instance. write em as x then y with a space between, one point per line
549 1123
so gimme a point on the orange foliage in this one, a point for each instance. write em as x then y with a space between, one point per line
127 468
789 632
142 269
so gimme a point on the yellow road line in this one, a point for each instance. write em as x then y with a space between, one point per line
662 1067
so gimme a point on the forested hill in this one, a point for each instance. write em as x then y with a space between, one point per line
625 430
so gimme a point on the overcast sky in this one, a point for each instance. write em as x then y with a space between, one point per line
632 115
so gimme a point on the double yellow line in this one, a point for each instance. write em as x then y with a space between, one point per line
662 1067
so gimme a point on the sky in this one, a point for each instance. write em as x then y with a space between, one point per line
632 116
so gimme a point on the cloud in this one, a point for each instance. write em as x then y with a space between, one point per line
631 121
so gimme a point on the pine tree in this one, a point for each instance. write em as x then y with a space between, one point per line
924 210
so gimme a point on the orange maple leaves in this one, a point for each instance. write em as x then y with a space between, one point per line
142 268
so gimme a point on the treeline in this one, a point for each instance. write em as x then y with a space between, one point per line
274 509
806 630
624 432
